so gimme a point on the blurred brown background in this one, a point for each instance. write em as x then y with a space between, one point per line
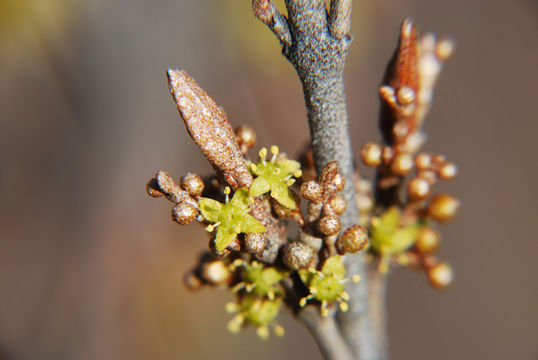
90 267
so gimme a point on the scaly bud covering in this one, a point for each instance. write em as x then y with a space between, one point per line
208 126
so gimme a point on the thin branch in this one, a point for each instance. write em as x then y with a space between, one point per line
266 12
340 18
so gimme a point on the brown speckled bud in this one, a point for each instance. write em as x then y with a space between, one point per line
440 275
443 207
418 188
246 137
428 240
191 281
401 164
311 190
193 184
215 272
184 213
352 240
447 171
329 225
297 255
170 189
331 179
429 175
255 243
152 187
423 161
336 205
371 154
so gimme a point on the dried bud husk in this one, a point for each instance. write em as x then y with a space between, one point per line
297 255
352 240
246 137
192 184
184 213
428 240
312 191
371 154
418 188
440 275
255 243
284 212
153 189
335 205
329 225
331 179
443 207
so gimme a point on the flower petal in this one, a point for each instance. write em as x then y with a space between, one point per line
210 209
225 235
282 194
259 186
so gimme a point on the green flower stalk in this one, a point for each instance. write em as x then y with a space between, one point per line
231 218
275 176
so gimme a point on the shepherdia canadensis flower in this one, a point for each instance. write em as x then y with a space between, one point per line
260 280
388 237
326 285
231 218
275 176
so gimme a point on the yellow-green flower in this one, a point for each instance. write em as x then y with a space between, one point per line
275 176
230 218
388 237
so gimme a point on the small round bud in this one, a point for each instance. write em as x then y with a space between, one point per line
246 137
191 281
184 213
429 175
405 95
423 161
215 272
337 204
352 240
444 49
440 275
428 240
402 164
152 187
371 154
255 243
443 207
297 255
331 179
418 188
447 171
192 184
329 225
311 190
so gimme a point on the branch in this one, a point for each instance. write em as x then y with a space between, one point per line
320 43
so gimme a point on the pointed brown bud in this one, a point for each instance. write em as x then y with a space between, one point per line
443 207
208 126
170 189
331 179
297 255
329 225
184 213
352 240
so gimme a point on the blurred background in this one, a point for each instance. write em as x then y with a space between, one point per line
91 267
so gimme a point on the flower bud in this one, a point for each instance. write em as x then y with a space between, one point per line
215 272
418 188
443 207
255 243
352 240
440 275
184 213
192 184
297 255
152 187
311 190
447 171
331 179
336 205
329 225
428 240
246 137
423 161
371 154
401 164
